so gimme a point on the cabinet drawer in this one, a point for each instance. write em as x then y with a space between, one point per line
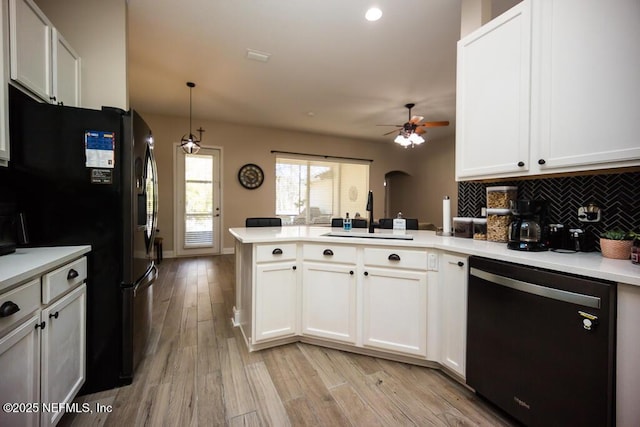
392 257
333 253
23 301
63 279
275 252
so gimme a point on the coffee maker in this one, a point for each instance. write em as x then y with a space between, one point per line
527 231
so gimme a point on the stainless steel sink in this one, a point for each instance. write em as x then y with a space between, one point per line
365 235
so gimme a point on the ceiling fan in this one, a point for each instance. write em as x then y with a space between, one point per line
414 125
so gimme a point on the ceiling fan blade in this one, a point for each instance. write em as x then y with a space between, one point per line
416 119
389 133
434 124
420 130
398 126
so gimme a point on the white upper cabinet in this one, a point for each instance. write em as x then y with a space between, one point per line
31 47
550 86
493 96
587 99
66 72
41 60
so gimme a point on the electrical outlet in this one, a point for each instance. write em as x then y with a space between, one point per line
585 216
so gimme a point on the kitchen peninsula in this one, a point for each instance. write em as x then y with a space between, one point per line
396 298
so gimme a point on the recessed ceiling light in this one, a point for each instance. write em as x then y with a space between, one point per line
373 14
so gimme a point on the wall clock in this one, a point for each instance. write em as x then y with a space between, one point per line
250 176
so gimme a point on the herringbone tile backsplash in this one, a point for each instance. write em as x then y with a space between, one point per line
616 194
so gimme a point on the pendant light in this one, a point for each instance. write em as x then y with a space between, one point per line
189 143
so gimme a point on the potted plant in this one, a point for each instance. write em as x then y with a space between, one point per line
617 243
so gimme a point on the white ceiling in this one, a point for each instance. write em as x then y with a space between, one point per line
330 70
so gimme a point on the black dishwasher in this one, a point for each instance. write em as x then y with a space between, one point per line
541 344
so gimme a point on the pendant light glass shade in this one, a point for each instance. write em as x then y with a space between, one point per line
408 140
190 143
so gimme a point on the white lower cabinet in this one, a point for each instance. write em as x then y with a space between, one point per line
329 301
63 359
395 310
453 308
20 367
42 346
275 299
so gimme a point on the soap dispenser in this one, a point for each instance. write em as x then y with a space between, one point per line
346 224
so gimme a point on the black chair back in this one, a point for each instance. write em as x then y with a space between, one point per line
412 223
355 222
263 222
359 223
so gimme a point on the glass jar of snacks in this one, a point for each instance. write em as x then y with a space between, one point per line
498 221
480 228
501 196
462 227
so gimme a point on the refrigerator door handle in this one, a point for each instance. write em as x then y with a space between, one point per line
147 280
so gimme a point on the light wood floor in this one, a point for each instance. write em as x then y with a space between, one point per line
198 372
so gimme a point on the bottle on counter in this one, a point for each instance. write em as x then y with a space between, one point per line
635 251
346 224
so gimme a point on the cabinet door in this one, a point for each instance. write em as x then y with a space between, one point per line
329 301
30 46
66 72
4 99
589 89
20 367
395 310
493 97
453 309
275 301
63 351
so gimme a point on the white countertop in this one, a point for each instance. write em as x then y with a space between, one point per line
26 263
590 264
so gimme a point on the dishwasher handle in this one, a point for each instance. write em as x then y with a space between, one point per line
531 288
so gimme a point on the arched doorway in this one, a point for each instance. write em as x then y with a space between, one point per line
399 194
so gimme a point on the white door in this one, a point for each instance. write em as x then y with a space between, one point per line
197 207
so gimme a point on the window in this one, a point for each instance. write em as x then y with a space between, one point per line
314 191
198 212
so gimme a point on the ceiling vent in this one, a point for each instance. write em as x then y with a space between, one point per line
256 55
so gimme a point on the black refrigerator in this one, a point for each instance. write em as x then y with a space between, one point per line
89 177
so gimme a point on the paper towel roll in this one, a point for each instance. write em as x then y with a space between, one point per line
446 216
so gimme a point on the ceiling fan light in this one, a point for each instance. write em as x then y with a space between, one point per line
416 139
402 140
